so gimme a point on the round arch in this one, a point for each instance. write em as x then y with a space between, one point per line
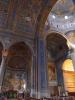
25 42
57 32
56 39
70 35
19 49
57 51
44 12
19 64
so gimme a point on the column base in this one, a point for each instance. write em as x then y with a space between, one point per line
43 93
33 93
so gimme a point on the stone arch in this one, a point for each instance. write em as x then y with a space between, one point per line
44 12
19 45
55 37
70 35
69 31
25 42
19 60
57 51
57 32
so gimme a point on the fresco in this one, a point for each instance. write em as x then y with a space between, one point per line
14 79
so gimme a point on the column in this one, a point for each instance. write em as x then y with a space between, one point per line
60 79
34 86
2 67
42 69
59 72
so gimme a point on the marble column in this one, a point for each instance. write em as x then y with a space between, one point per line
39 87
59 72
42 69
60 78
2 67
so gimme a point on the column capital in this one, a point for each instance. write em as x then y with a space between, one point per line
5 52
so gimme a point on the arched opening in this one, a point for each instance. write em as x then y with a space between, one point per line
69 76
61 19
18 68
61 16
57 51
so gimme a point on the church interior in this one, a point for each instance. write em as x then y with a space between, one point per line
37 49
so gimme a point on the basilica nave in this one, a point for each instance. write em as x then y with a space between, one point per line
37 48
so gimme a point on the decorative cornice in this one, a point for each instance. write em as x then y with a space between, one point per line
7 32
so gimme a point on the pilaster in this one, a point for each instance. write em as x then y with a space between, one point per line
42 69
2 66
34 78
60 79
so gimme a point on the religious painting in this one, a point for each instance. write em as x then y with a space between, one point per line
14 80
51 72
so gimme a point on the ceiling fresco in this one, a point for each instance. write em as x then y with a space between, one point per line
24 16
19 56
19 15
63 7
62 16
3 12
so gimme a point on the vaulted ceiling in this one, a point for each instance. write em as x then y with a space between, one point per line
61 19
64 7
24 16
27 17
19 56
62 16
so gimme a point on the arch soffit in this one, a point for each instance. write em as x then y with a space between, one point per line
53 32
69 31
42 19
25 42
43 15
7 44
16 44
